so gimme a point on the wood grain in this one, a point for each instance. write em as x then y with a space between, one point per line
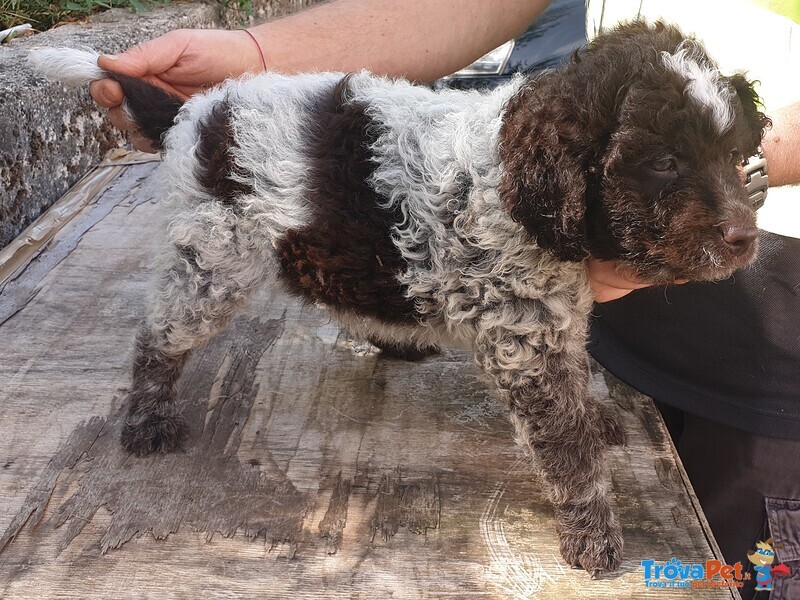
316 467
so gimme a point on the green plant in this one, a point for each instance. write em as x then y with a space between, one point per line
245 8
43 14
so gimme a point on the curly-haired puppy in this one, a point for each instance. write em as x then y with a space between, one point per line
423 218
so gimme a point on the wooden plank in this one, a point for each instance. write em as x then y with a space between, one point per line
15 257
26 253
316 468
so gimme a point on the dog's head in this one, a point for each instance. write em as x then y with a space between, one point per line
634 152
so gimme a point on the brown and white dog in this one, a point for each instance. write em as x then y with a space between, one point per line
423 218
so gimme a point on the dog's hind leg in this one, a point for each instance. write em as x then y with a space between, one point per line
207 278
540 371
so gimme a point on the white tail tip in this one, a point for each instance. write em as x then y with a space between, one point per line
72 67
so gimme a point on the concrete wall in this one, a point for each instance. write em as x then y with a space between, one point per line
50 135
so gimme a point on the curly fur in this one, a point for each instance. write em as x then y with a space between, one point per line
422 219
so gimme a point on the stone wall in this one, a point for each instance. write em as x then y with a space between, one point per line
50 135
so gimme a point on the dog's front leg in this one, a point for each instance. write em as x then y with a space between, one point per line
540 369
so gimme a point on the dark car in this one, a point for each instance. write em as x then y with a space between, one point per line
547 43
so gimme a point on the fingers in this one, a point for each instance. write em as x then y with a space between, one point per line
605 293
611 280
106 92
119 119
611 272
150 58
146 60
142 143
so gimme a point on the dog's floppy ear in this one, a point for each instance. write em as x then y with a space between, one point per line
544 180
757 121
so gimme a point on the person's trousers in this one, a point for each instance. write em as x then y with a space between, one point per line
749 488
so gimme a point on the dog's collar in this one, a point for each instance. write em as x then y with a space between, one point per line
757 181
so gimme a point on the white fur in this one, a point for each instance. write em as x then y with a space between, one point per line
704 86
70 66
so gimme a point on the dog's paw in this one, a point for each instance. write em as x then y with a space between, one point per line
594 550
148 433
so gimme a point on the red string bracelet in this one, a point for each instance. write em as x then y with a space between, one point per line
260 51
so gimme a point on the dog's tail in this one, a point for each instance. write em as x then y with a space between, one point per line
152 109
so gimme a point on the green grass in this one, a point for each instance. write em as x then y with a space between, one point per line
43 14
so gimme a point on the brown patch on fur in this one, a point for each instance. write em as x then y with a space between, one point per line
216 167
345 258
544 184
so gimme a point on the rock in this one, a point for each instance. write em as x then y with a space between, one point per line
51 135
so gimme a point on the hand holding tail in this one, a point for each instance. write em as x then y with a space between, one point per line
149 108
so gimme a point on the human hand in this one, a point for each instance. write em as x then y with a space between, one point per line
183 62
610 282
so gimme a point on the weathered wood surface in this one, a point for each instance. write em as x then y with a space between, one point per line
316 468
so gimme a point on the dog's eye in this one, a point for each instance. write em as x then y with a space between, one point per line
736 157
662 165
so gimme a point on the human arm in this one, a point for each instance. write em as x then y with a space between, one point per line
609 281
418 39
781 146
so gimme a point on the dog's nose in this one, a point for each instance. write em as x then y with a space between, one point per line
739 237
